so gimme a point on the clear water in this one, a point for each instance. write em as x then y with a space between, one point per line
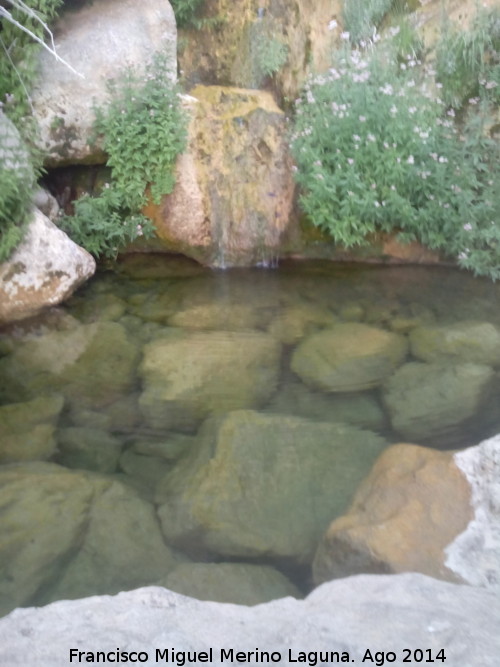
122 403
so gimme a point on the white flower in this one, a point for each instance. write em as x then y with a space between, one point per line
393 109
350 160
356 137
332 25
412 110
370 137
345 36
442 159
410 160
468 227
490 85
377 204
362 119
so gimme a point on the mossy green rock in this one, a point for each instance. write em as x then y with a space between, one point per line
442 404
94 363
238 583
88 448
27 429
264 485
187 377
348 357
478 342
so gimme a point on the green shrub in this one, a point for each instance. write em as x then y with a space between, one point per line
185 11
468 62
15 199
143 129
376 152
360 17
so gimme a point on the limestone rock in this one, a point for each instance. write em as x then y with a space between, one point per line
45 269
189 376
411 506
425 511
293 322
264 485
379 613
478 342
232 202
68 533
441 404
88 448
94 363
239 583
348 357
98 40
27 429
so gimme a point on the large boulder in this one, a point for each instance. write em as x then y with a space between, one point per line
264 486
395 617
443 404
98 40
478 342
421 510
189 376
239 583
348 357
233 198
93 363
27 429
68 534
45 269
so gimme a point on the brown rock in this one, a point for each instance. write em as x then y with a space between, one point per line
412 505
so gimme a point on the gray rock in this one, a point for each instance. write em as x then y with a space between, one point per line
442 404
98 40
88 448
45 269
478 342
348 357
239 583
27 429
264 485
47 203
401 613
189 376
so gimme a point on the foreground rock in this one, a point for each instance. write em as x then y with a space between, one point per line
421 510
443 405
68 534
264 485
401 613
45 269
234 189
98 40
189 376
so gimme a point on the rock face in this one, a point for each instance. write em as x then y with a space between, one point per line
73 533
425 511
442 404
376 613
264 485
233 198
348 357
45 269
189 376
238 583
98 40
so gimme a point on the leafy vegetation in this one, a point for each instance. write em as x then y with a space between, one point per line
185 11
468 61
377 151
360 17
143 129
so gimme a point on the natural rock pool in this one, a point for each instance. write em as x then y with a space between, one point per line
200 430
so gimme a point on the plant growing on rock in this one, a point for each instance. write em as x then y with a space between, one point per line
143 130
376 150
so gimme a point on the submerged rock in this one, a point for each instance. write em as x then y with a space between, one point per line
98 40
478 342
187 377
45 269
27 429
232 202
68 533
425 511
442 404
348 357
344 618
264 485
88 448
239 583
